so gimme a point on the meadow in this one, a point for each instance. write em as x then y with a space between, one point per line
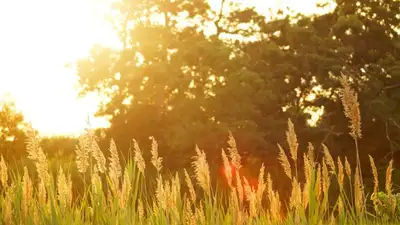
116 193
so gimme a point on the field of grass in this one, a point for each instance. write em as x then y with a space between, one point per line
113 194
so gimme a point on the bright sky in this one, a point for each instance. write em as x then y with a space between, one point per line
38 37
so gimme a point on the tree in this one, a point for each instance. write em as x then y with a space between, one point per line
359 39
12 137
170 78
188 74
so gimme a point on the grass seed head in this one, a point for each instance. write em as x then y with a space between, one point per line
155 160
138 157
202 170
115 166
291 139
227 168
284 161
351 107
192 193
99 156
234 153
328 157
3 172
388 181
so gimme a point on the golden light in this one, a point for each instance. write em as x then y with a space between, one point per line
39 37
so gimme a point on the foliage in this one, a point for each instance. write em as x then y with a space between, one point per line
12 137
189 73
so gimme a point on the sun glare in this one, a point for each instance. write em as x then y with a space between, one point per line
39 37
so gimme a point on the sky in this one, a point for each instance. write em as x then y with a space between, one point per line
37 39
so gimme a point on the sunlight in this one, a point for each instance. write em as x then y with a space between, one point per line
40 37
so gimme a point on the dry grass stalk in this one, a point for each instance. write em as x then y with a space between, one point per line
347 168
332 220
199 213
270 191
155 159
291 139
261 185
307 174
27 191
274 201
318 185
388 186
189 216
98 155
275 208
8 209
305 195
202 170
37 155
340 175
307 169
161 193
3 172
376 182
155 208
167 196
227 168
62 188
32 144
328 157
138 157
35 216
125 191
251 198
340 205
296 196
235 207
284 161
388 183
82 151
43 167
310 152
69 190
114 170
96 182
234 153
42 194
239 188
140 211
351 107
358 192
326 181
234 201
174 195
192 193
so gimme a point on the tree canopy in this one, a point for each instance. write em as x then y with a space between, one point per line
188 73
12 137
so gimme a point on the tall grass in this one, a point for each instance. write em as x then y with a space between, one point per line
120 195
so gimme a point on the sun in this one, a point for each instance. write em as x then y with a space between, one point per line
37 39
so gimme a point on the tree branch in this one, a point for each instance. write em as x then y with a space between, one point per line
391 87
216 22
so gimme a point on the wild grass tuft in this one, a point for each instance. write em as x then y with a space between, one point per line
322 191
